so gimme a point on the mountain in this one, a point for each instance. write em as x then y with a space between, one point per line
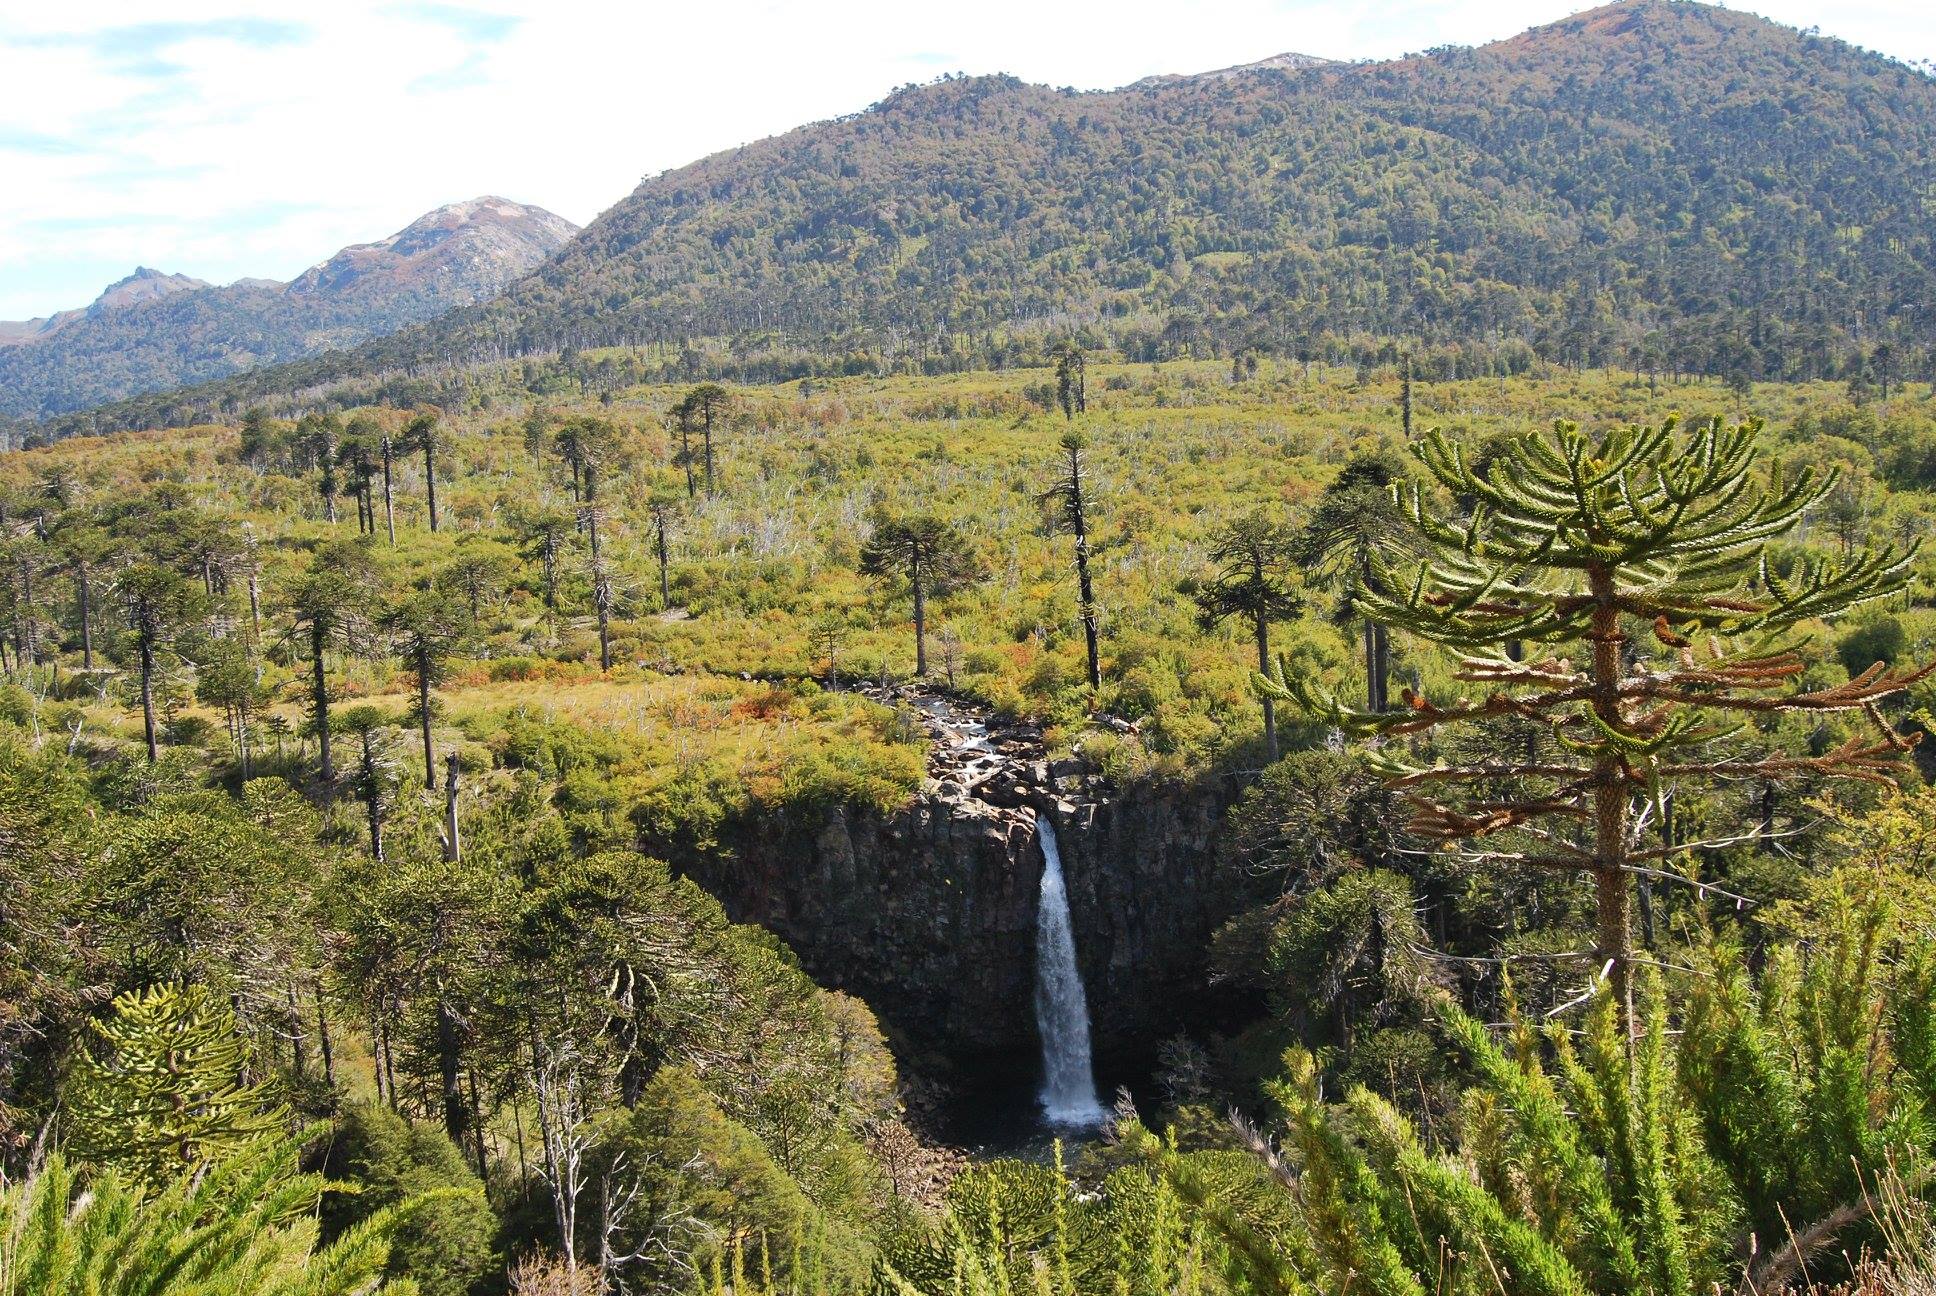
1288 62
144 285
1653 182
463 248
152 330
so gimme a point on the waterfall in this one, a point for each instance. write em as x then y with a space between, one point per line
1061 1007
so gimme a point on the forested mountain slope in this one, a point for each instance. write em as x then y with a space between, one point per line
1652 183
152 331
1648 160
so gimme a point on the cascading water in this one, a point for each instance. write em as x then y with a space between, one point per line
1061 1007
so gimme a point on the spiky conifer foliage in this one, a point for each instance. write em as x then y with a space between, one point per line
1738 1150
243 1227
170 1088
1579 1179
1014 1226
927 552
1072 501
1353 526
1616 551
1252 554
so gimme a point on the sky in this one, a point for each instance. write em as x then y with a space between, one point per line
224 139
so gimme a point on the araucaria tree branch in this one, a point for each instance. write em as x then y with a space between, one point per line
1641 559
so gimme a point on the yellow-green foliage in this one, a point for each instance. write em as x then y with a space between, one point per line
714 1188
761 568
169 1088
1012 1226
244 1227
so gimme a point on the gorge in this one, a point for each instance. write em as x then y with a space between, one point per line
934 914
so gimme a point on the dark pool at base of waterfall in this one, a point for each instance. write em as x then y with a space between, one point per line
989 1118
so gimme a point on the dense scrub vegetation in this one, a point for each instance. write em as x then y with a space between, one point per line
257 674
1657 185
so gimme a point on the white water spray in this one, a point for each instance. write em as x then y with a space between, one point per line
1061 1007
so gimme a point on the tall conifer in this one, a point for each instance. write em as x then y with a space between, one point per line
1641 559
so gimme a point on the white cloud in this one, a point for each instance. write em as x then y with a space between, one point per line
224 139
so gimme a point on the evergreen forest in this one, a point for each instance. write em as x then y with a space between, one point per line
1298 681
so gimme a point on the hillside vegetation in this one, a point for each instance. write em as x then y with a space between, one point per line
1657 185
1439 543
546 1055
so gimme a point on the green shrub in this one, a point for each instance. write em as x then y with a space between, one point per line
515 668
1880 640
446 1245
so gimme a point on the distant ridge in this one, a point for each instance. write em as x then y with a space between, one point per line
143 285
152 331
482 235
1651 183
1287 62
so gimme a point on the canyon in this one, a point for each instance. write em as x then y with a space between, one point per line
930 913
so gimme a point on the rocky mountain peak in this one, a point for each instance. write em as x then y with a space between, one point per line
160 333
145 284
484 241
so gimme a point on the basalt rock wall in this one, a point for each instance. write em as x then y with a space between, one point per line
929 913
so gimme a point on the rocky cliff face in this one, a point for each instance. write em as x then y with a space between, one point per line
1148 887
929 913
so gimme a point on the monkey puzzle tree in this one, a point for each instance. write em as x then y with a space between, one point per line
170 1086
85 548
929 554
827 632
423 943
477 574
230 677
159 602
23 559
1616 551
1405 398
425 629
243 1223
375 781
1354 528
1070 498
60 487
205 543
1251 554
329 608
358 454
570 444
1071 378
537 431
662 506
375 438
545 533
699 409
425 435
318 434
685 418
595 444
